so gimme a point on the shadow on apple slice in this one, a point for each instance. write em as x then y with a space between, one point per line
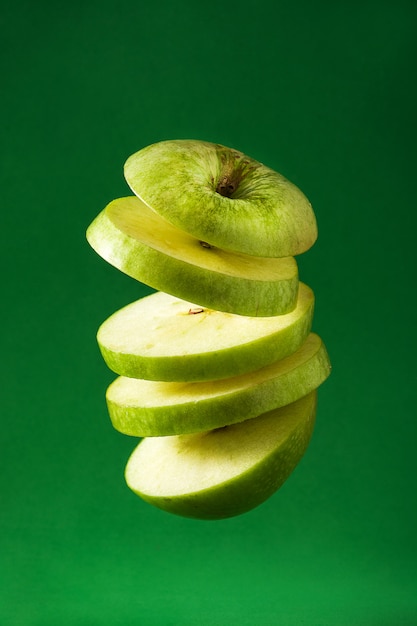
143 245
161 337
146 408
223 472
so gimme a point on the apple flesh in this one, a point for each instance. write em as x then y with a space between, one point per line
144 408
224 472
146 247
223 197
161 337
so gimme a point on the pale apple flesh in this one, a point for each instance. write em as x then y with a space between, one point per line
137 241
224 197
225 472
144 408
160 337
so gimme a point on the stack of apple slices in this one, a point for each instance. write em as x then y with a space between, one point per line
218 369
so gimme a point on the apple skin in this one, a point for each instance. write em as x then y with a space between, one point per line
153 409
156 338
146 247
283 435
185 181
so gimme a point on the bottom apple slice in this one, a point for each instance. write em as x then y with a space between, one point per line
223 472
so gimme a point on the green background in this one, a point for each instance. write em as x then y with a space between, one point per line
325 92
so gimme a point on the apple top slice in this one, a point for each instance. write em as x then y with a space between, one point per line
222 197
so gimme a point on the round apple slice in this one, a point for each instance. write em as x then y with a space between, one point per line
161 337
143 245
221 196
146 408
223 472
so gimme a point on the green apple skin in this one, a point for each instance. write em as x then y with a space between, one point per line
143 408
163 338
146 247
226 472
222 197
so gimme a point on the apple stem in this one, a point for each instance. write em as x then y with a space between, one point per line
226 187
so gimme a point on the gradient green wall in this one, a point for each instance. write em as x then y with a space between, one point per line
325 92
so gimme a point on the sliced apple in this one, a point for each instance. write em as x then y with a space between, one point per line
161 337
223 472
221 196
146 408
145 246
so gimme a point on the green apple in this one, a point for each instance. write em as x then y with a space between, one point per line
145 408
145 246
222 472
161 337
222 197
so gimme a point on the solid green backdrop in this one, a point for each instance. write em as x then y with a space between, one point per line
323 92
